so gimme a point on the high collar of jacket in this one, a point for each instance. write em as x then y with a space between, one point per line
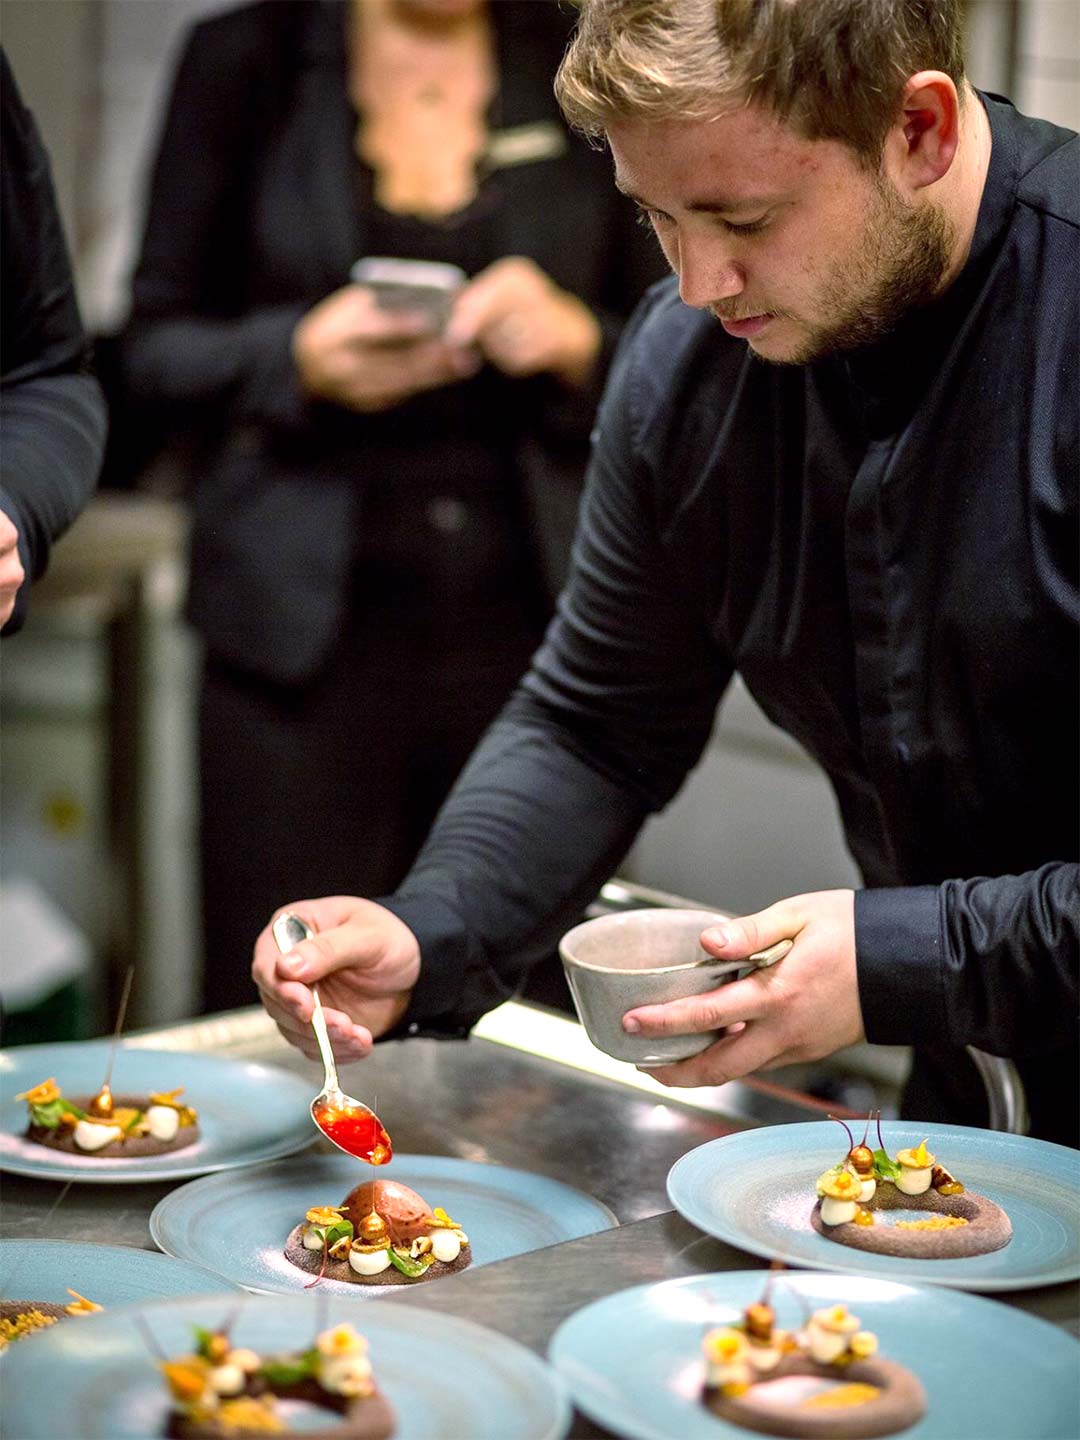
889 376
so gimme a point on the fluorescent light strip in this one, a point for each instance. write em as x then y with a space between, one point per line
552 1037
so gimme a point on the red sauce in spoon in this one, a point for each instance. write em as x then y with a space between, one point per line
358 1131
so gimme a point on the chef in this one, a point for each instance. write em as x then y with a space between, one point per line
838 455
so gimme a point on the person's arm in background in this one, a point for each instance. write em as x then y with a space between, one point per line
187 352
52 413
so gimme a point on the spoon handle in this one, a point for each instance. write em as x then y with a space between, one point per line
289 930
318 1024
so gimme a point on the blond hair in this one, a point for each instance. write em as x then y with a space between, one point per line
834 69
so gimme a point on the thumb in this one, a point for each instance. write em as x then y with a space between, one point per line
321 955
744 935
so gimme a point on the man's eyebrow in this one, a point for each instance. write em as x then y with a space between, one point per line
714 205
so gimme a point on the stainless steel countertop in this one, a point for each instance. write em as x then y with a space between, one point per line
484 1101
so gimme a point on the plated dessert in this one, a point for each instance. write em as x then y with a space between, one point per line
221 1390
382 1233
824 1379
121 1126
19 1318
856 1196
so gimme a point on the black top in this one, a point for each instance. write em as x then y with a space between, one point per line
884 546
252 220
446 537
51 409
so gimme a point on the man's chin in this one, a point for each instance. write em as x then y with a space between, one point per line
782 343
786 342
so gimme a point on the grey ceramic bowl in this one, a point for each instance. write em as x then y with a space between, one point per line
642 957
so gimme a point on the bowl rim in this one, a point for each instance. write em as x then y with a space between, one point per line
616 921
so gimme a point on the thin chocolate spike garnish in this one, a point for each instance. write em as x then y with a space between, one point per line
851 1138
149 1340
775 1268
866 1131
121 1015
880 1141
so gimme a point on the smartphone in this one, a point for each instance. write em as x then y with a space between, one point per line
423 286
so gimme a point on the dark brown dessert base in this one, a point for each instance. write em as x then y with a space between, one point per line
901 1403
63 1138
988 1227
311 1260
368 1418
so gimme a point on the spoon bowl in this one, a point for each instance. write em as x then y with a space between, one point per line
346 1122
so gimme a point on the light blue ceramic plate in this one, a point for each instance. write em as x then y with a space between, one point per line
632 1361
445 1378
110 1275
238 1224
756 1190
247 1112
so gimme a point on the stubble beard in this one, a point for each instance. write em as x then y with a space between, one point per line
899 266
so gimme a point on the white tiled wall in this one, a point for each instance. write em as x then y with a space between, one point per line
1048 60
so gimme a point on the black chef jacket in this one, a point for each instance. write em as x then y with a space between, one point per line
883 545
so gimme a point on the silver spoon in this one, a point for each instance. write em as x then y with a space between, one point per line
348 1123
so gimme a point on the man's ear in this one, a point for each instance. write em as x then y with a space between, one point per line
920 147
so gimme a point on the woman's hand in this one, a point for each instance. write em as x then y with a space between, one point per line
524 324
365 962
803 1007
350 352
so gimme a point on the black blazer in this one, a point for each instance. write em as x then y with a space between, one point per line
252 220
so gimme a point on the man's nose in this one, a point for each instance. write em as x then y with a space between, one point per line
707 275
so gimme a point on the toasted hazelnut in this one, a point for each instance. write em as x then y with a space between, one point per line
420 1246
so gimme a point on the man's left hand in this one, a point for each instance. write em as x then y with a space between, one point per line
803 1007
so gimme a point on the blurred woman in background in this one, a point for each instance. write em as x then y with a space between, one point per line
380 509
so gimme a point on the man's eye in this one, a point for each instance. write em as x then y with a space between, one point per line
750 227
650 217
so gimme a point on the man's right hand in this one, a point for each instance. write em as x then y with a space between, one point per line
350 352
365 962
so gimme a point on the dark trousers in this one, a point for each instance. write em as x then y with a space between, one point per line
331 788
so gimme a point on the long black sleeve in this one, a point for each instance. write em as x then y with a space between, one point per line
195 348
52 412
991 962
615 711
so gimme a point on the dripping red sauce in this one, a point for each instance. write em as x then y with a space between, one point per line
357 1131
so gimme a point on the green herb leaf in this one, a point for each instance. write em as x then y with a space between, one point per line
343 1230
407 1266
290 1371
884 1168
133 1121
48 1115
203 1340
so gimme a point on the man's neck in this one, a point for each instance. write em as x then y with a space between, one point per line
966 181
